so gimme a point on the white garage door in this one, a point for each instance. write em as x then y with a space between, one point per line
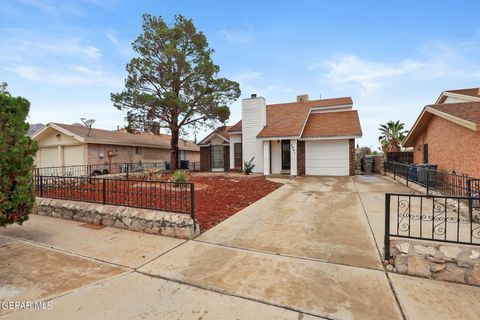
327 158
48 157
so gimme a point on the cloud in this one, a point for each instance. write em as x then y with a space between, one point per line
72 75
236 36
435 61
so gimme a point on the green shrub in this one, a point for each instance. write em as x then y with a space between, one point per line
17 151
180 176
248 166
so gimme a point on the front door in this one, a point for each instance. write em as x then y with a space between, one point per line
285 154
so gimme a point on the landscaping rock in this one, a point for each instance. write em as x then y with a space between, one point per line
436 260
436 267
424 250
450 252
418 266
452 273
475 255
403 247
401 264
474 277
390 268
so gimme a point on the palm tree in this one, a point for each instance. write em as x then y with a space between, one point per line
392 136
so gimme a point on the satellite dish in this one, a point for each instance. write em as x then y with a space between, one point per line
88 123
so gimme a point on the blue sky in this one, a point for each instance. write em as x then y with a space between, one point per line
67 56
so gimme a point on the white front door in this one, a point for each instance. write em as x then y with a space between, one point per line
327 158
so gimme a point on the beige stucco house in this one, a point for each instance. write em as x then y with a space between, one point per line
66 145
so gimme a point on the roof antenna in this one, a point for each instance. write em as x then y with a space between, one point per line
88 123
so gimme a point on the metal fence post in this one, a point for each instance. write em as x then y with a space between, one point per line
406 176
387 227
192 201
104 191
427 182
394 171
41 185
469 195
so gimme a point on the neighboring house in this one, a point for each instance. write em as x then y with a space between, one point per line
64 145
447 133
306 137
34 128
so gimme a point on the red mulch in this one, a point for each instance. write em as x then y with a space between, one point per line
216 197
226 196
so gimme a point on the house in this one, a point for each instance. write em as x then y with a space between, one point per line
65 145
447 133
305 137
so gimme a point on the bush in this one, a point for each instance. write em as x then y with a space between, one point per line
17 151
152 174
180 176
248 166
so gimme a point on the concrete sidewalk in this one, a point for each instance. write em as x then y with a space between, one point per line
305 251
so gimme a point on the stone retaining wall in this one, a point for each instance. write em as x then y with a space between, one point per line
141 220
459 264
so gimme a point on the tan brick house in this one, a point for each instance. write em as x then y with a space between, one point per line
447 133
305 137
66 145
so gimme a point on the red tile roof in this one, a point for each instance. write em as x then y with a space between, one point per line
288 119
124 138
330 124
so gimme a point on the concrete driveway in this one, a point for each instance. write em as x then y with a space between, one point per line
305 251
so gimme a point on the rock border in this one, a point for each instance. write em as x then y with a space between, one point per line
460 264
167 224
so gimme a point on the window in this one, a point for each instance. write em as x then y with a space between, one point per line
238 154
217 157
182 155
138 150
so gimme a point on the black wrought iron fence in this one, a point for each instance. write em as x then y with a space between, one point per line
112 168
433 180
147 194
431 218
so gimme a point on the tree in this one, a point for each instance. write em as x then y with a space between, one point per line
173 83
392 136
16 160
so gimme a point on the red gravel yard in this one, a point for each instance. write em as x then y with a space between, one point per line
219 197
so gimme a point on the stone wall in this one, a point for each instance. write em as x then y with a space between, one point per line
142 220
378 164
451 263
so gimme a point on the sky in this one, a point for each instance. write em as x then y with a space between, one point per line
392 58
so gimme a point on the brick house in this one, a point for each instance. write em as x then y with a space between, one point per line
305 137
66 145
447 133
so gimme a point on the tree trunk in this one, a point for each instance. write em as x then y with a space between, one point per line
174 147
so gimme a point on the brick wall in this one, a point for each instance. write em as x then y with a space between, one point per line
451 146
301 158
351 151
205 159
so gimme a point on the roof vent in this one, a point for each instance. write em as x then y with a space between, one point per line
302 98
253 96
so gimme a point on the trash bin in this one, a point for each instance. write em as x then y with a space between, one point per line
427 172
412 172
184 164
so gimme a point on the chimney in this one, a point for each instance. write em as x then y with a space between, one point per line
253 95
302 98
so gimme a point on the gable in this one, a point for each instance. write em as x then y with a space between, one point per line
52 137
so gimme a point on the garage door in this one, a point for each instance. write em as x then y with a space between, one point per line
327 158
48 157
